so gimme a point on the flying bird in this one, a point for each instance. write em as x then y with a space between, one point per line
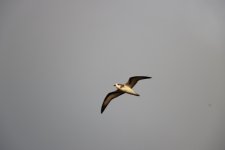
121 89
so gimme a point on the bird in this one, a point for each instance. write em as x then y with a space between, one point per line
121 89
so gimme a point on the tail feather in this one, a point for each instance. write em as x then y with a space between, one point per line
135 94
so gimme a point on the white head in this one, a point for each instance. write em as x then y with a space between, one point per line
117 85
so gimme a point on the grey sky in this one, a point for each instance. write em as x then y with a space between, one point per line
58 60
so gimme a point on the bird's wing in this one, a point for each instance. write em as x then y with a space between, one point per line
109 97
133 80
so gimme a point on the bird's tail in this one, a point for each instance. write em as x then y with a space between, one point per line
135 94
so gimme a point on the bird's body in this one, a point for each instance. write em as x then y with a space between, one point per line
121 89
126 89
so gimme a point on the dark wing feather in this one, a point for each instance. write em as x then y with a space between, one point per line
133 80
109 97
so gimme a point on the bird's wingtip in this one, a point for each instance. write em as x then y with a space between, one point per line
102 110
147 77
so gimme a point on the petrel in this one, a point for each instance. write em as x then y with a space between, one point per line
123 88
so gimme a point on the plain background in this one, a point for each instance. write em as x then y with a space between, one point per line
59 59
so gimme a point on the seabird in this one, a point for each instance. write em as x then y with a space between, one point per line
121 89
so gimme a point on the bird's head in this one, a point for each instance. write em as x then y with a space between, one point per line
115 85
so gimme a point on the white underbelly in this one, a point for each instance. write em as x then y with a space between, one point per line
127 89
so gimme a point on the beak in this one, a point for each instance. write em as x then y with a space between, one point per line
114 85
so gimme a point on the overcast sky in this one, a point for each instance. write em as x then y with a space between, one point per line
59 59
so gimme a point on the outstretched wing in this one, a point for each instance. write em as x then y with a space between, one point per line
133 80
109 97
